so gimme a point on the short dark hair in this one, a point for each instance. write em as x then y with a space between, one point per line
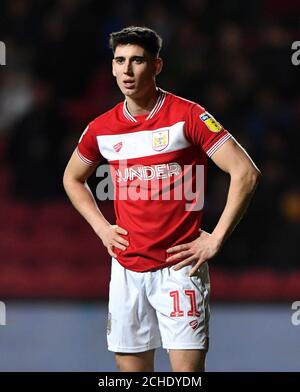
142 36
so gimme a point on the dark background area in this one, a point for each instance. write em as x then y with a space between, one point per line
232 57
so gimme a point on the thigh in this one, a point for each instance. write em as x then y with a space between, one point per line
132 322
187 360
136 362
182 308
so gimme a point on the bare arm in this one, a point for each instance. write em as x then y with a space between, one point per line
244 176
75 177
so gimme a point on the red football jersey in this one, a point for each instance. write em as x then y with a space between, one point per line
158 166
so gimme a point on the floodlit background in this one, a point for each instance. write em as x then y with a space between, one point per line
234 59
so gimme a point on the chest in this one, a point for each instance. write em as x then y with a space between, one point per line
143 142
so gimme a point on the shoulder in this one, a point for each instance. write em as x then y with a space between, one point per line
184 104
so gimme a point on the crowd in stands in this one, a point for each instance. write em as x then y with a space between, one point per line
232 57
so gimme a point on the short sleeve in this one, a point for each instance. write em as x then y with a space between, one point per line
203 130
87 149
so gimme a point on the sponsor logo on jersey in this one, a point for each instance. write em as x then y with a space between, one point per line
160 140
147 173
211 123
118 146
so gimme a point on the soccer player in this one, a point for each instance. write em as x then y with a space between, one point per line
157 145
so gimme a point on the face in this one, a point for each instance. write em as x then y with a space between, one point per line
134 70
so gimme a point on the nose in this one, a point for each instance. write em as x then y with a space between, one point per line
127 68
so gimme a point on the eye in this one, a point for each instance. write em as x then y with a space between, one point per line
119 61
138 60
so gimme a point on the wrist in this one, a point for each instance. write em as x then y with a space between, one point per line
218 239
100 228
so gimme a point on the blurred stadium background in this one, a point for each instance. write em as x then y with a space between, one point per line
232 57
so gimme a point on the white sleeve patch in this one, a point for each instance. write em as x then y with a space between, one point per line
83 133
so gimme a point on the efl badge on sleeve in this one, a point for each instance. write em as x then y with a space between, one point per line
211 123
160 140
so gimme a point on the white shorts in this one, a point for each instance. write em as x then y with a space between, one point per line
164 306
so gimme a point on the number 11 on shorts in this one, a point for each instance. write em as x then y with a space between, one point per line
177 312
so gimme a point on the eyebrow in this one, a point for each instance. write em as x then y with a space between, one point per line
131 58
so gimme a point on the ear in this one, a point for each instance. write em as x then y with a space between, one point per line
113 68
158 65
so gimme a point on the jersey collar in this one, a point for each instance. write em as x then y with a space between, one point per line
159 103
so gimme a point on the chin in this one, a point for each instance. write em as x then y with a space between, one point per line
129 93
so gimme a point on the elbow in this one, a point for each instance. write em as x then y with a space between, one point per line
248 178
255 176
252 179
70 180
67 180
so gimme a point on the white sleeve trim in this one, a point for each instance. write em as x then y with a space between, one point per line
218 144
84 159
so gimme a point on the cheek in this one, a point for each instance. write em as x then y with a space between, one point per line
116 72
145 74
118 78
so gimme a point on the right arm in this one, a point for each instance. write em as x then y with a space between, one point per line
76 187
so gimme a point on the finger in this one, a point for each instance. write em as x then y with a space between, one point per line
111 252
120 230
117 245
184 263
194 270
180 255
178 248
122 241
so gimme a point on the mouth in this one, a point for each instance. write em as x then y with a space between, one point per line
129 84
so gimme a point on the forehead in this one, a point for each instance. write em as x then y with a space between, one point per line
129 50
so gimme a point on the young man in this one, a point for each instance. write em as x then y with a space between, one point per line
155 142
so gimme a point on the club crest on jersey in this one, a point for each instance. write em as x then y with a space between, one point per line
160 140
211 123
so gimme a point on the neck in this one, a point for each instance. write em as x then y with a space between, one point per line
143 104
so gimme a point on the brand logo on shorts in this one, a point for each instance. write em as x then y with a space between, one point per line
194 324
108 327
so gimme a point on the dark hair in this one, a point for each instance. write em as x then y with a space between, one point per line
142 36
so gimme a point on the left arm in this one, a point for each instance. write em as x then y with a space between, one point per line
244 176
